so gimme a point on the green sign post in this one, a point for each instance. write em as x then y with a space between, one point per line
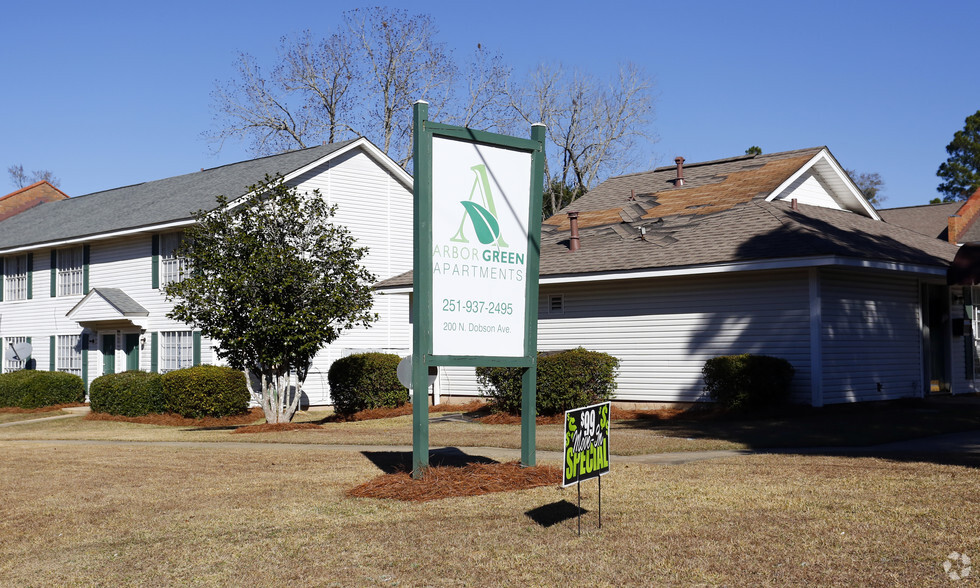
476 253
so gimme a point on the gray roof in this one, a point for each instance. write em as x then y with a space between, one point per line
927 219
149 203
719 217
121 301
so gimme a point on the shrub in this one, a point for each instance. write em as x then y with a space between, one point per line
565 380
205 391
133 393
748 382
366 380
33 389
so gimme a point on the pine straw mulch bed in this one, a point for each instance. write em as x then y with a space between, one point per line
473 479
52 408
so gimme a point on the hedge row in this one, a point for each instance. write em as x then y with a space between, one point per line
565 380
366 380
748 382
34 389
201 391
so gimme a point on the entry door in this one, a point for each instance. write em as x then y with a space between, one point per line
109 354
132 349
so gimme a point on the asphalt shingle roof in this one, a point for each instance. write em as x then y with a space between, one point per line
719 216
927 219
149 203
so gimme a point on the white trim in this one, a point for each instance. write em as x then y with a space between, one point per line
362 143
825 156
99 236
775 264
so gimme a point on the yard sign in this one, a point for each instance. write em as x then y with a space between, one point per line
586 443
477 242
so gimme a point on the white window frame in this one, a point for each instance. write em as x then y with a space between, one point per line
15 276
176 350
71 271
172 267
9 363
68 354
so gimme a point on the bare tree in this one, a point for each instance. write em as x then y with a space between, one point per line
870 185
597 128
20 178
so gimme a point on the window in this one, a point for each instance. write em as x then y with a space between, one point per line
15 278
70 271
10 364
69 354
176 350
173 268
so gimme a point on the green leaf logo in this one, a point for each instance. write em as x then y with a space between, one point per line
487 229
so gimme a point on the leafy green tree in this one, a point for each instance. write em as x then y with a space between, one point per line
961 171
754 150
274 281
558 195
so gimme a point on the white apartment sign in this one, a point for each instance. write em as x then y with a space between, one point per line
480 202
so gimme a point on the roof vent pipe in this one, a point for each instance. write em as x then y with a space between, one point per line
680 171
573 240
794 204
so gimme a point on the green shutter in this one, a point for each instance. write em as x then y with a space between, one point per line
85 361
29 361
197 347
156 262
154 357
30 275
85 263
51 364
54 273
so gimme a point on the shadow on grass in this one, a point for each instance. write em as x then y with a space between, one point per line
863 429
391 462
549 515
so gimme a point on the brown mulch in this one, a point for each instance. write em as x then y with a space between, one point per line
175 420
448 482
52 408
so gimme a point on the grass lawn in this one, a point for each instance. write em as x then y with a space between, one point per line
132 515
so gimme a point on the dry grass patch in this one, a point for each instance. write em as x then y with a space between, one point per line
117 514
175 420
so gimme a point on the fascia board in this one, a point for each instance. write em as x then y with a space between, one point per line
775 264
99 236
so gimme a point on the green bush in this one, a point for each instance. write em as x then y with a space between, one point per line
34 389
133 393
565 380
366 380
748 382
205 391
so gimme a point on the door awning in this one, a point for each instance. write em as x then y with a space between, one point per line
108 308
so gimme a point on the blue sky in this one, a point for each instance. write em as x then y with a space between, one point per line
108 94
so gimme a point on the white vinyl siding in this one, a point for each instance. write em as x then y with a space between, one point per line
70 271
10 364
172 267
68 354
15 278
176 350
871 338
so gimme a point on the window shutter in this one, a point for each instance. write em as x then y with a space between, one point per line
54 273
30 275
156 262
197 347
51 363
154 357
85 263
29 363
